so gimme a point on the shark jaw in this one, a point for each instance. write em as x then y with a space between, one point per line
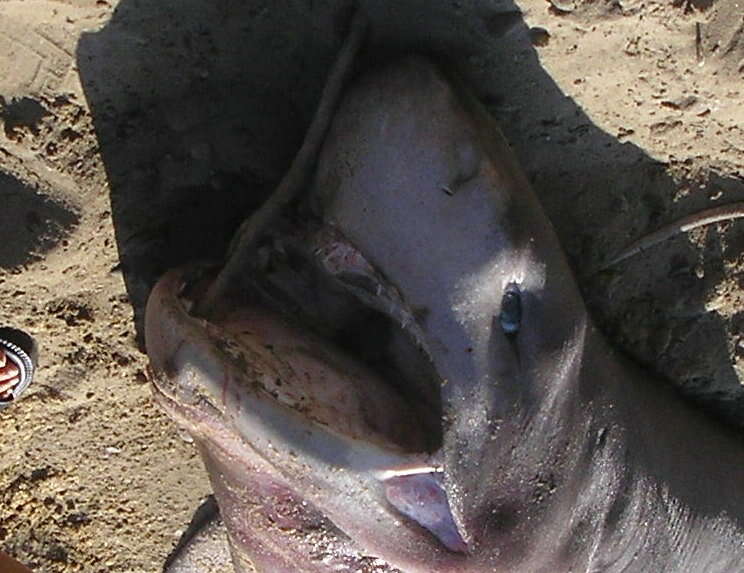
302 414
366 369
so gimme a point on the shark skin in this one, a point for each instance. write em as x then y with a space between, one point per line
410 380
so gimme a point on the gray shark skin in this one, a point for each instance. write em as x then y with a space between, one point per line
410 381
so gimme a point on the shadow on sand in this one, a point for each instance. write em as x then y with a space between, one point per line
33 223
200 106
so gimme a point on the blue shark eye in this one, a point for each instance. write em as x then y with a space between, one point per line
510 316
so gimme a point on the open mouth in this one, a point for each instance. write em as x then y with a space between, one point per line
318 277
337 366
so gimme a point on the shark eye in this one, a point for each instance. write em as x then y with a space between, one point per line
510 316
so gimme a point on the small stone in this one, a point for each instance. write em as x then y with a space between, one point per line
539 36
183 433
563 6
682 102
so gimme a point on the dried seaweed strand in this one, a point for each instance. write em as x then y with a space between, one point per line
718 214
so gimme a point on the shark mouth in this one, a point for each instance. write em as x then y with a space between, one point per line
322 356
363 314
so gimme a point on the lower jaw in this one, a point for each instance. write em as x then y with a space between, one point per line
271 524
274 527
241 475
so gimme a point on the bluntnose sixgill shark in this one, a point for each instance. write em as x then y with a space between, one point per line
409 381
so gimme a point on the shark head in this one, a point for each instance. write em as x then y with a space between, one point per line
395 387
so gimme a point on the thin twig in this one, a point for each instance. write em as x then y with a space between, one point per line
718 214
295 179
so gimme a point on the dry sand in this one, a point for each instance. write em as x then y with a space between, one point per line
136 136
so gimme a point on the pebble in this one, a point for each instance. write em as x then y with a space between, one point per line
563 6
539 36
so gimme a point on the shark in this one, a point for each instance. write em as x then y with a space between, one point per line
408 379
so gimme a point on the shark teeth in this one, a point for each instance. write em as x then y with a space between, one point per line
342 260
407 471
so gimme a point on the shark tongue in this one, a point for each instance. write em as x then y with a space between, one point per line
421 497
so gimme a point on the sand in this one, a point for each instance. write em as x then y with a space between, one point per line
138 135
